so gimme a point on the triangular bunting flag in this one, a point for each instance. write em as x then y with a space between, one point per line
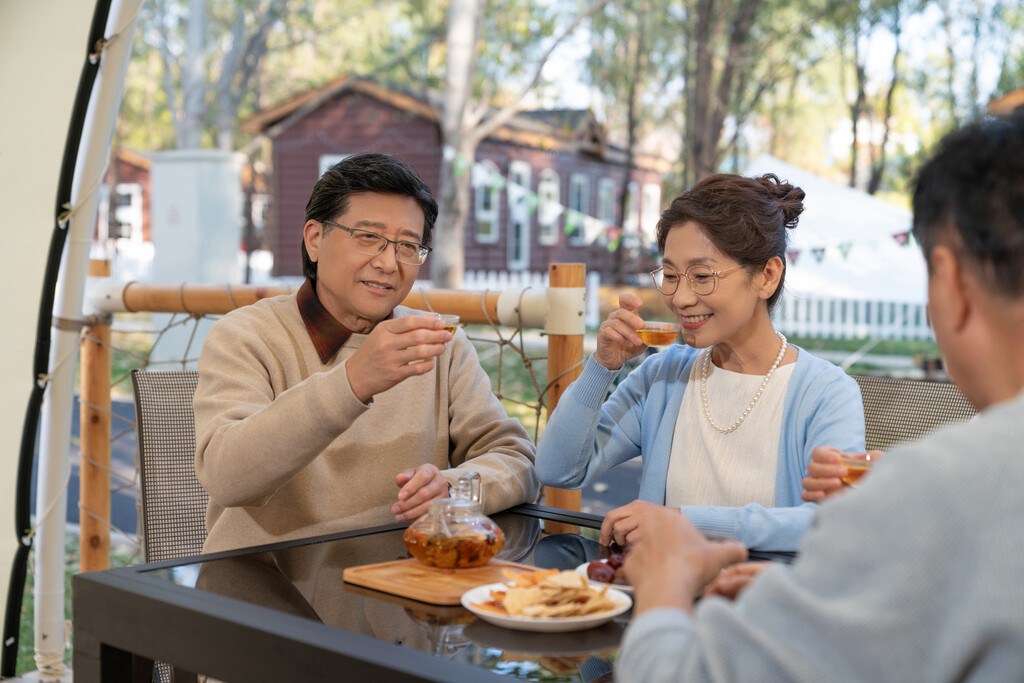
844 249
793 255
902 238
819 253
532 200
573 220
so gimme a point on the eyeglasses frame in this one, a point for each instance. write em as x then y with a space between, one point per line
424 250
689 282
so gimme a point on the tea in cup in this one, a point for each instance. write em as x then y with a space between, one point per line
658 334
857 465
450 320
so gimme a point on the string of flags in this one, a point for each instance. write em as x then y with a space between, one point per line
904 239
596 230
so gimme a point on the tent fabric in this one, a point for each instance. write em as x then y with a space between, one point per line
859 234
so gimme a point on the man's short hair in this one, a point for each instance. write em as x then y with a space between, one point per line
366 172
970 197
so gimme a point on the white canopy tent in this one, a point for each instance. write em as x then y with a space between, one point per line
838 219
53 150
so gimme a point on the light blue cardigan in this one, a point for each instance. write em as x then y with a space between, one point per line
587 436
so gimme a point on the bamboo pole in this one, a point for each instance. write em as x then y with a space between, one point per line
565 351
471 307
94 473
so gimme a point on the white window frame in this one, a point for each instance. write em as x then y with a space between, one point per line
549 189
488 215
579 201
519 173
606 201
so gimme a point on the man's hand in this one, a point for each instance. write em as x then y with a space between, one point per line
733 580
617 340
670 564
628 524
416 488
824 473
395 350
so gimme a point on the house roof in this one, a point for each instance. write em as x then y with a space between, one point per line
1009 102
571 130
134 158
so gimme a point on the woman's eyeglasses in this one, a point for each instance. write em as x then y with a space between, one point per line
701 278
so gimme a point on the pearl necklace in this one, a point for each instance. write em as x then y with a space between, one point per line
753 402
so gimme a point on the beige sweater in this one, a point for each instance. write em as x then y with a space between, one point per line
286 450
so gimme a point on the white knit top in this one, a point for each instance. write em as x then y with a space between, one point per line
710 468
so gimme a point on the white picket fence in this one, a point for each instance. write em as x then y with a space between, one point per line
829 318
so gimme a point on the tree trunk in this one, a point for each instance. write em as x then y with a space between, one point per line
193 78
947 25
878 168
859 102
447 263
622 256
711 96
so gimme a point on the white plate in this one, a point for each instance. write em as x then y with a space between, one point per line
582 571
482 594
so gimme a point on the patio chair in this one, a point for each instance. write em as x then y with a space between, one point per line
900 410
173 500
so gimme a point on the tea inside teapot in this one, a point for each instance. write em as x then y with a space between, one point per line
455 534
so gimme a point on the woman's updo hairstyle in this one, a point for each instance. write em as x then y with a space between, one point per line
746 218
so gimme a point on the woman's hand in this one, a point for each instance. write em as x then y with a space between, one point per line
733 580
617 340
825 473
628 524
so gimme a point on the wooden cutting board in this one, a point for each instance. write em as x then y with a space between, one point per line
411 579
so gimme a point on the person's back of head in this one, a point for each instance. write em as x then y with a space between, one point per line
366 172
969 220
970 196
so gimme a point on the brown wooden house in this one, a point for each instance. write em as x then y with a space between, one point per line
547 185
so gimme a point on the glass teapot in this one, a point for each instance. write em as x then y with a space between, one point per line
455 534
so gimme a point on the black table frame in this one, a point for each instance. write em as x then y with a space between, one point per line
121 614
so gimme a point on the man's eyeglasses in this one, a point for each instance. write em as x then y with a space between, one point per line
371 243
701 279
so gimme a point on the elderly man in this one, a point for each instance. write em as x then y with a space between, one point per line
335 407
915 576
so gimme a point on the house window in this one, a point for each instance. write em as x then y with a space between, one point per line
125 212
650 212
549 208
631 221
487 192
328 160
519 205
579 205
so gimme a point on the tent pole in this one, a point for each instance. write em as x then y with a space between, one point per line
54 465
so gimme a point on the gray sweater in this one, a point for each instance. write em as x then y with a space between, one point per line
916 576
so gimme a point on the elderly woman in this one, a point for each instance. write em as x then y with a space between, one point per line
725 424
